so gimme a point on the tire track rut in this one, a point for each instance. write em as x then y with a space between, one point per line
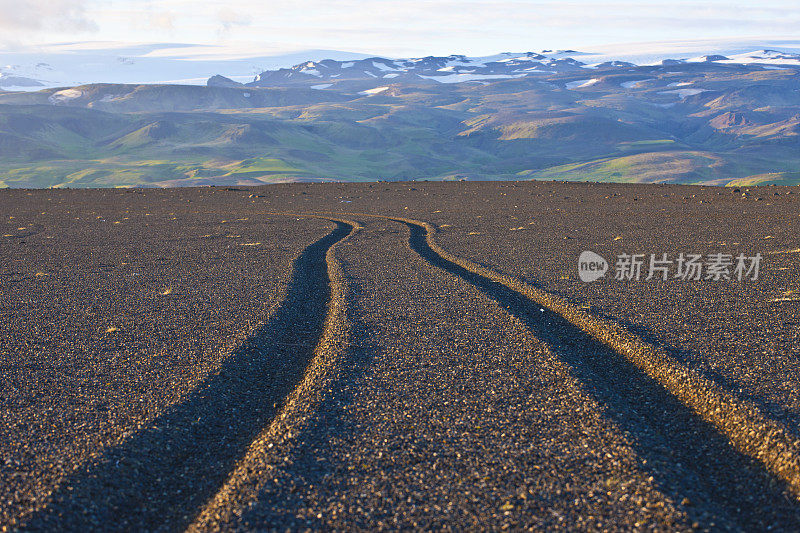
161 476
731 466
741 466
301 406
417 427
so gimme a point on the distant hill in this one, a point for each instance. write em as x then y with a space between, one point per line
714 118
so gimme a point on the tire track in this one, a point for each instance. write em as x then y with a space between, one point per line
744 465
160 477
420 430
252 471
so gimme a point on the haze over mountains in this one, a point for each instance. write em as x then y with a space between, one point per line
716 118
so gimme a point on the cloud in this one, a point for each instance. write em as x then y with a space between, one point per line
285 18
399 26
163 20
60 15
228 19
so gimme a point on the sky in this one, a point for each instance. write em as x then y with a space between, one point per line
393 27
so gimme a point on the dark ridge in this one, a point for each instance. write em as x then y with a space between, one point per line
690 461
161 477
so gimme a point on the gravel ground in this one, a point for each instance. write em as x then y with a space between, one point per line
457 418
115 306
454 405
472 409
743 335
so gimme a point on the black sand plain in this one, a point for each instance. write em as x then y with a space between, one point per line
210 359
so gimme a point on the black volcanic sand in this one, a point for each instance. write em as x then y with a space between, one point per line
454 414
458 417
744 335
115 306
457 405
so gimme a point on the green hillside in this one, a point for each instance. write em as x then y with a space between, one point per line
743 128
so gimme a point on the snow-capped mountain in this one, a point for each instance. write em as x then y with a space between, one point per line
447 69
71 64
761 57
460 68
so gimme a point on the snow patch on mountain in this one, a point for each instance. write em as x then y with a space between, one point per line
371 92
458 78
633 84
684 93
65 95
382 66
772 57
579 84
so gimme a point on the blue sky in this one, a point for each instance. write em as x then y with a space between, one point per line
393 27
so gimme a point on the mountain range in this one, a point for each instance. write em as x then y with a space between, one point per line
459 68
713 118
